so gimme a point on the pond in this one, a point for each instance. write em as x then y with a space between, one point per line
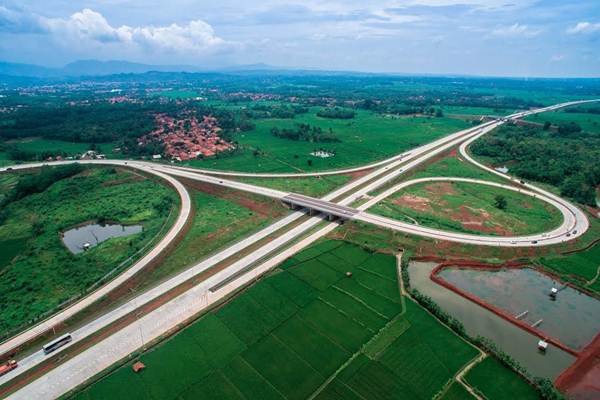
572 317
77 239
511 339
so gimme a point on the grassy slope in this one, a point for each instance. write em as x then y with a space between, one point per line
215 217
523 215
366 138
497 382
314 186
44 273
284 336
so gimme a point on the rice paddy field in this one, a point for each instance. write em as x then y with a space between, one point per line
469 207
306 330
584 266
368 137
496 382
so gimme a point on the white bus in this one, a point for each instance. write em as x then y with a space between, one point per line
57 343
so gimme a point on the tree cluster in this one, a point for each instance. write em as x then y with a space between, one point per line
567 161
336 113
305 132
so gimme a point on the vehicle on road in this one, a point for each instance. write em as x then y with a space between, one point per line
57 343
8 366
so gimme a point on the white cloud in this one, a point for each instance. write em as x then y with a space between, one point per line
516 30
583 28
558 57
89 26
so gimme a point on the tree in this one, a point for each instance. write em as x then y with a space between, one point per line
547 125
500 202
439 113
309 162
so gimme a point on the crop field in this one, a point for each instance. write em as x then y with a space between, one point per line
312 186
368 137
456 391
584 266
496 382
215 217
284 336
589 122
469 207
37 272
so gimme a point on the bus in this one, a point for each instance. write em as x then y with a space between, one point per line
57 343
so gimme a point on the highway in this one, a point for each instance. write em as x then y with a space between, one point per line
161 320
63 315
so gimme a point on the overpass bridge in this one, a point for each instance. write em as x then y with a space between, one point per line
314 205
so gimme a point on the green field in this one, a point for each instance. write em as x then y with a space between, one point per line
37 272
368 137
283 337
312 186
469 207
583 266
214 218
588 122
461 110
496 382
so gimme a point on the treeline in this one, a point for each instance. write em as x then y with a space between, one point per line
567 161
306 132
336 113
583 110
276 111
37 183
97 123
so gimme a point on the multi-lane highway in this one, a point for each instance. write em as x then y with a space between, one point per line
160 320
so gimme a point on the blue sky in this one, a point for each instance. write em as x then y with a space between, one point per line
475 37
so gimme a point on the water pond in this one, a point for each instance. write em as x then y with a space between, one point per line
513 340
572 317
93 234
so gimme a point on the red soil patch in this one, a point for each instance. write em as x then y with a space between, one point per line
413 202
358 174
439 189
581 380
453 153
470 220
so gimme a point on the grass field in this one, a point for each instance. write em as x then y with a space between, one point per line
283 337
313 186
366 138
460 110
584 266
496 382
37 272
588 122
215 218
469 207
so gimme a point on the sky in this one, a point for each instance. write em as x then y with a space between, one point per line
554 38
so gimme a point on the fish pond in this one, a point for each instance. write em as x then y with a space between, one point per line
571 316
90 235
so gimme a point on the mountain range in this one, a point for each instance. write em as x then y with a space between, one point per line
112 67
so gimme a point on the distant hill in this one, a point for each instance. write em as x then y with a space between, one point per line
112 67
